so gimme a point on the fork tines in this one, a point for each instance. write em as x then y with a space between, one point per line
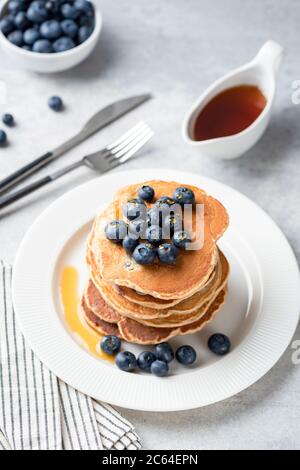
129 143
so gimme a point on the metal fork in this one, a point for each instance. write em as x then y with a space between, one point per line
102 161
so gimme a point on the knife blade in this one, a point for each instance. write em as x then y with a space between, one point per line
97 122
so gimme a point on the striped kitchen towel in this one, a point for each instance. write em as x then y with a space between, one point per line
39 411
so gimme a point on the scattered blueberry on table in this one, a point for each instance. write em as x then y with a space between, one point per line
110 344
126 361
158 229
48 26
3 137
186 355
164 352
55 103
219 344
8 119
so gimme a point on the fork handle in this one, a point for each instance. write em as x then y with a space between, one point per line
10 198
30 188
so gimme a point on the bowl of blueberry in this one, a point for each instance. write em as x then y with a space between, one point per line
49 36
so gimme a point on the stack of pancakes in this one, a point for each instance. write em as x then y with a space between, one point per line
153 303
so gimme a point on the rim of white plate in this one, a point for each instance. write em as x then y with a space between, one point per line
247 363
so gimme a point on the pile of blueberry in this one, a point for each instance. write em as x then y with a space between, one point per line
160 226
48 26
157 362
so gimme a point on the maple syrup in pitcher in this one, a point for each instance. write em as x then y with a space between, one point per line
229 112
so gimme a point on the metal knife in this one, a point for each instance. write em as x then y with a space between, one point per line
101 119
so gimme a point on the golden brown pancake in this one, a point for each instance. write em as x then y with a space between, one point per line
181 311
109 261
134 332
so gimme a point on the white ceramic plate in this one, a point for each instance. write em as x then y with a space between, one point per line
260 315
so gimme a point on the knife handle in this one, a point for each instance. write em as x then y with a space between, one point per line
25 171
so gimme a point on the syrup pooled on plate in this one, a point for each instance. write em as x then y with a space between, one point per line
229 113
85 335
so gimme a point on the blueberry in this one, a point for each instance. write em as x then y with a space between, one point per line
129 243
43 46
85 20
84 33
16 38
15 5
3 137
172 223
21 21
146 193
144 253
165 203
167 253
154 235
186 355
181 239
53 6
110 344
164 352
159 368
116 231
6 25
37 13
69 28
8 119
219 344
51 29
137 228
69 11
31 35
184 195
134 208
145 359
154 216
126 361
84 6
64 43
55 103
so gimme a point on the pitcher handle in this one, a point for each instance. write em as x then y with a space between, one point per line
270 56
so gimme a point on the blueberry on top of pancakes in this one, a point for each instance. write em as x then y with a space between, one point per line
172 223
181 238
154 216
129 243
165 203
116 231
167 253
146 193
134 208
154 235
144 253
183 195
137 228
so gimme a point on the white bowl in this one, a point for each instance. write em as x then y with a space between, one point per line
56 62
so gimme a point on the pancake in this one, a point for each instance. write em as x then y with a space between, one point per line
181 310
134 332
108 261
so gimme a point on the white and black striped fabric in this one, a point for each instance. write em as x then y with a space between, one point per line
40 412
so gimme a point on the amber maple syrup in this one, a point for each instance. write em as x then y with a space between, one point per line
229 112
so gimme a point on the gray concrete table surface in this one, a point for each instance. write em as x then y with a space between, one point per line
175 49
